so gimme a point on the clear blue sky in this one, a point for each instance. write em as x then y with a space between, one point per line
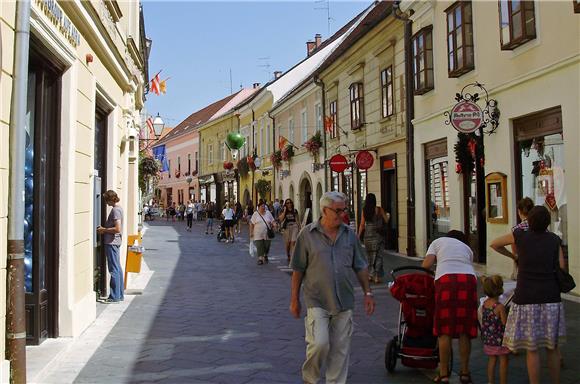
197 43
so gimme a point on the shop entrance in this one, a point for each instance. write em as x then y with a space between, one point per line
41 224
474 207
306 199
389 199
100 208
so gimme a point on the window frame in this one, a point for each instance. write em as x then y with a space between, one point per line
189 163
525 7
291 129
333 113
318 114
424 33
210 153
468 60
387 102
356 97
304 125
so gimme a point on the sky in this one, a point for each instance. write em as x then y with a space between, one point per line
196 44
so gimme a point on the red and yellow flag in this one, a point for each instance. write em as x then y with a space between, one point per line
282 141
155 84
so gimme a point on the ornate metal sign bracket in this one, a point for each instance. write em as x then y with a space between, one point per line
491 113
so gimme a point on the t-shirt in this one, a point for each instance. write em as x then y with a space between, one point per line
110 238
228 214
453 257
190 209
260 229
537 255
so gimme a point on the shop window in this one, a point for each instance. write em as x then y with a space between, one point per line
438 205
334 119
335 181
387 91
356 106
318 109
576 6
423 60
517 23
459 38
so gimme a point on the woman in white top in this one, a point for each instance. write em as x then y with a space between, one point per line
261 220
228 215
455 300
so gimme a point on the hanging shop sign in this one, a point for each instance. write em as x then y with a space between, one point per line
466 117
364 160
338 163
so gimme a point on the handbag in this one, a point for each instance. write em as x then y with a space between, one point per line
565 280
270 231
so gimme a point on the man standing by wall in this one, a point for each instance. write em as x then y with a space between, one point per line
325 250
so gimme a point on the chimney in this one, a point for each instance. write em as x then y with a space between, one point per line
277 74
310 47
318 39
256 85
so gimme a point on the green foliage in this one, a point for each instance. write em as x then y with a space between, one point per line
243 167
148 168
263 187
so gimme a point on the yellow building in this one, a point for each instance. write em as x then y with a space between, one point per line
364 93
84 74
529 64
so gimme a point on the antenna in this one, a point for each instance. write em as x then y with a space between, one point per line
265 63
325 5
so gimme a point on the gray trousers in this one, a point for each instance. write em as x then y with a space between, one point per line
327 342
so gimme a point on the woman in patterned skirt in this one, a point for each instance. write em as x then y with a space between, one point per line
455 300
536 318
373 222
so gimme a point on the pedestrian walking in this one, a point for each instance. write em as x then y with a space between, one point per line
536 319
249 211
210 211
374 226
190 212
228 216
493 320
182 209
455 300
261 223
238 216
328 292
112 239
291 226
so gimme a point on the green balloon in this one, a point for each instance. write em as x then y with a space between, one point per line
235 140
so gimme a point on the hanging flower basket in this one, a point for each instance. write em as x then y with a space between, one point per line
313 145
251 163
263 187
287 153
177 173
243 168
228 165
276 159
467 151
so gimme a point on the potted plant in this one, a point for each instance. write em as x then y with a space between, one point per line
313 145
276 159
287 153
263 187
243 167
228 165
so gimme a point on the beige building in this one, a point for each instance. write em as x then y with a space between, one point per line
527 56
364 93
86 75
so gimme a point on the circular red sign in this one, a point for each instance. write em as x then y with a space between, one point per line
364 160
466 117
338 163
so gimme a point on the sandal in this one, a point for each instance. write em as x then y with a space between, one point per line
441 379
260 261
465 378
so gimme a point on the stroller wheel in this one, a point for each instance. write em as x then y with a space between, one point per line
391 355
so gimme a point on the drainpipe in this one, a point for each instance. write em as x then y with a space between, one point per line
320 83
254 201
273 150
410 115
15 314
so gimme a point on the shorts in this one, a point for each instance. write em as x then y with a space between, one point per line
228 223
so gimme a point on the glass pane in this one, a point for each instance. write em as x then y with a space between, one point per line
504 22
384 104
429 55
530 24
543 180
383 77
389 75
29 183
517 26
421 62
450 44
420 42
515 6
458 20
438 204
390 100
451 62
450 24
459 37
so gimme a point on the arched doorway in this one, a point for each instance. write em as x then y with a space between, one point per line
280 195
306 198
318 197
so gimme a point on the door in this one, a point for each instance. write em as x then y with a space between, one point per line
389 199
100 208
41 199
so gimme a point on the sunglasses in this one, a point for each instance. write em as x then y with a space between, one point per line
338 211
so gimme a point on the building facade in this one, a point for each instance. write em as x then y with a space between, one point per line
86 81
526 62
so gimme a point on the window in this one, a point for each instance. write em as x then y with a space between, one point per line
387 91
223 152
576 6
247 146
517 23
459 38
179 164
210 154
423 60
334 119
268 138
356 106
318 109
438 203
169 167
291 130
189 163
304 124
196 161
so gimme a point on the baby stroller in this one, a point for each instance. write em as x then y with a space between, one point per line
221 235
414 343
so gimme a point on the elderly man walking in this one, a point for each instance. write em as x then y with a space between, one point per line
326 250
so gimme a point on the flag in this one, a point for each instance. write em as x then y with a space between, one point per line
163 86
155 84
282 141
150 127
328 124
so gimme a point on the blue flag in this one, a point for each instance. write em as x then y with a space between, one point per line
159 155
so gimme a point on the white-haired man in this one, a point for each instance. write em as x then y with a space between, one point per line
325 252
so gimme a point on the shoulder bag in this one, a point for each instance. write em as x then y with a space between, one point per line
565 280
270 231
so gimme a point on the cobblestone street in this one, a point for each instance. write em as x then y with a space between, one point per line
211 315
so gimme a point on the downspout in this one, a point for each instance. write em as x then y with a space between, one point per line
410 115
15 313
273 150
254 201
320 83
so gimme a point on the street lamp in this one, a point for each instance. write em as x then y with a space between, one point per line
158 125
189 179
